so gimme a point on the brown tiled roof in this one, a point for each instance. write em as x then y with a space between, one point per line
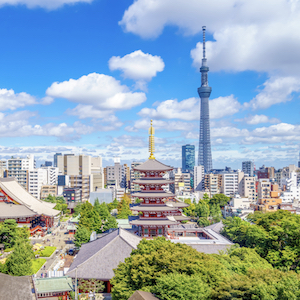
153 165
141 295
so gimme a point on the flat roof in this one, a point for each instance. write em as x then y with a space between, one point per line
53 284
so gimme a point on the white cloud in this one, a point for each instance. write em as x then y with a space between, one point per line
189 109
102 91
258 119
276 90
88 111
144 124
248 35
47 100
11 100
138 66
48 4
18 125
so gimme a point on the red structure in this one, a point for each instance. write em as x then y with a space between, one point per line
16 203
158 209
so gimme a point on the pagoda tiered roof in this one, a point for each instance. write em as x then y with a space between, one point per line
157 222
153 165
146 180
153 194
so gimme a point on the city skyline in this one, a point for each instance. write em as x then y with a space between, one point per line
87 76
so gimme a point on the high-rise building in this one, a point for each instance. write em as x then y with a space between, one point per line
55 159
204 154
198 178
299 161
248 167
188 158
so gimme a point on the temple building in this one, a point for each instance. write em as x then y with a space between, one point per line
158 209
16 203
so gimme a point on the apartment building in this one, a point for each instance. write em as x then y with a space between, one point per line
116 174
182 181
248 188
36 179
3 168
231 183
248 167
213 183
263 188
19 167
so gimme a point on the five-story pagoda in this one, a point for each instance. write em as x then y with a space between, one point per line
158 209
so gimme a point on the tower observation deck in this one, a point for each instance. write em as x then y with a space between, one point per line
204 154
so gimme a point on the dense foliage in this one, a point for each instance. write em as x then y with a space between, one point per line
177 271
275 236
61 203
19 262
208 210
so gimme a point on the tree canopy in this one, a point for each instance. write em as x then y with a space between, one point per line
177 271
274 235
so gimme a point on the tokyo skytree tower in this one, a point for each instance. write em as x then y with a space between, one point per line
204 154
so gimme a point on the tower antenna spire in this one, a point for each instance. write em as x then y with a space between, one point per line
151 141
203 30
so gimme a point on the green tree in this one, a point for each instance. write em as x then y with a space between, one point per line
109 223
123 209
77 209
19 262
8 232
89 218
113 205
219 199
157 257
181 286
82 235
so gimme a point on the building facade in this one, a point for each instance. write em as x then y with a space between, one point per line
188 158
248 167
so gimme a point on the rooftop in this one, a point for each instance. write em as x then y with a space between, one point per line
153 165
54 284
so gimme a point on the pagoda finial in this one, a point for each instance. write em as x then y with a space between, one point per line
151 141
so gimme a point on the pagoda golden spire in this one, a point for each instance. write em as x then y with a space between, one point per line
151 141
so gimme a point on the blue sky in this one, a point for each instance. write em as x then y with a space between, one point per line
87 77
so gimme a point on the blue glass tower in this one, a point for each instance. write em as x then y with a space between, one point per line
204 154
188 158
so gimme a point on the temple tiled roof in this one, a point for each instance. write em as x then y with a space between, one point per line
15 287
153 165
8 210
14 190
98 258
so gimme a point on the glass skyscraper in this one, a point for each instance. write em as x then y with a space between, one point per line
188 158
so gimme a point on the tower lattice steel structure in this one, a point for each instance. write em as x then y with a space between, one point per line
204 154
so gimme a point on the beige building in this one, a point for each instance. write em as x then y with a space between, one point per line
182 181
263 188
134 175
213 183
47 190
248 188
3 167
84 171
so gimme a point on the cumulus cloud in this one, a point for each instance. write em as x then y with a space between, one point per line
139 66
48 4
189 109
258 119
276 90
18 125
99 90
245 38
11 100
